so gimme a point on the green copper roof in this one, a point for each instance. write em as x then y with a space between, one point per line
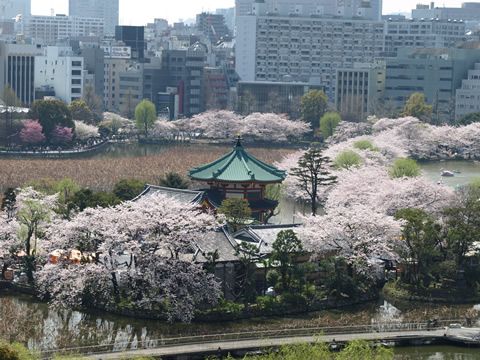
238 166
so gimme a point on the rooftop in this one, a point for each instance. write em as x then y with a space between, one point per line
238 166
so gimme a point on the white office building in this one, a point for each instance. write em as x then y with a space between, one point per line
468 96
108 10
59 70
303 49
48 30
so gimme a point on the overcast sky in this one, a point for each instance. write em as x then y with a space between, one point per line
139 12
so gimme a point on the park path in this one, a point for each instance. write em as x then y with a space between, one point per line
246 344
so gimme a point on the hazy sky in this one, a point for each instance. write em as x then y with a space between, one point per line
139 12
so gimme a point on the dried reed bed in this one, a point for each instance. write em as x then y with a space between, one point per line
103 173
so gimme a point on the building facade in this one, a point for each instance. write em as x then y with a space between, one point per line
108 10
304 49
17 70
468 95
359 90
10 9
213 26
367 9
49 30
431 33
61 71
134 38
437 73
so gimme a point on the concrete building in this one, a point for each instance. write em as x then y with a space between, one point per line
359 90
60 70
470 11
431 33
437 73
93 62
50 30
268 96
108 10
184 70
17 69
213 26
113 67
10 9
133 37
367 9
229 15
468 95
216 89
303 49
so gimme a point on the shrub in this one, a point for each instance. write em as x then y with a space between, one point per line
347 160
174 180
14 352
365 145
128 189
404 168
328 123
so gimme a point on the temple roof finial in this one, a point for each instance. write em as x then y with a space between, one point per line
239 141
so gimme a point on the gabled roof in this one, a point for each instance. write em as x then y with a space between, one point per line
238 166
183 196
219 241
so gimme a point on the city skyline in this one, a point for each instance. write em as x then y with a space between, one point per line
174 11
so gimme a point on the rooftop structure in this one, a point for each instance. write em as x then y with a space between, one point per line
239 175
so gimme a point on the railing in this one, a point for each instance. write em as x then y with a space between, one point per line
119 347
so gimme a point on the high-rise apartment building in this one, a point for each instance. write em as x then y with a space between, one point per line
108 10
303 49
11 8
49 30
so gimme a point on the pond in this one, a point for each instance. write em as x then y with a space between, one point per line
465 171
25 320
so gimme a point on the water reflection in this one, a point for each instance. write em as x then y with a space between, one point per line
25 320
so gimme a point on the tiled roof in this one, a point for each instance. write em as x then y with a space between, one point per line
182 196
219 241
238 166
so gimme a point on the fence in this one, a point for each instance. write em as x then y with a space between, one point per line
253 335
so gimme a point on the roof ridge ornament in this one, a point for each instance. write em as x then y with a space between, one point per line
239 141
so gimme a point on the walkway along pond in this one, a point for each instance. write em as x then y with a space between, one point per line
24 319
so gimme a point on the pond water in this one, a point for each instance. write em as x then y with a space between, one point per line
25 320
465 171
436 353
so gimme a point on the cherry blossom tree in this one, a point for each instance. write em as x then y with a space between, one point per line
32 132
273 127
163 129
142 251
62 135
85 131
215 124
357 234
